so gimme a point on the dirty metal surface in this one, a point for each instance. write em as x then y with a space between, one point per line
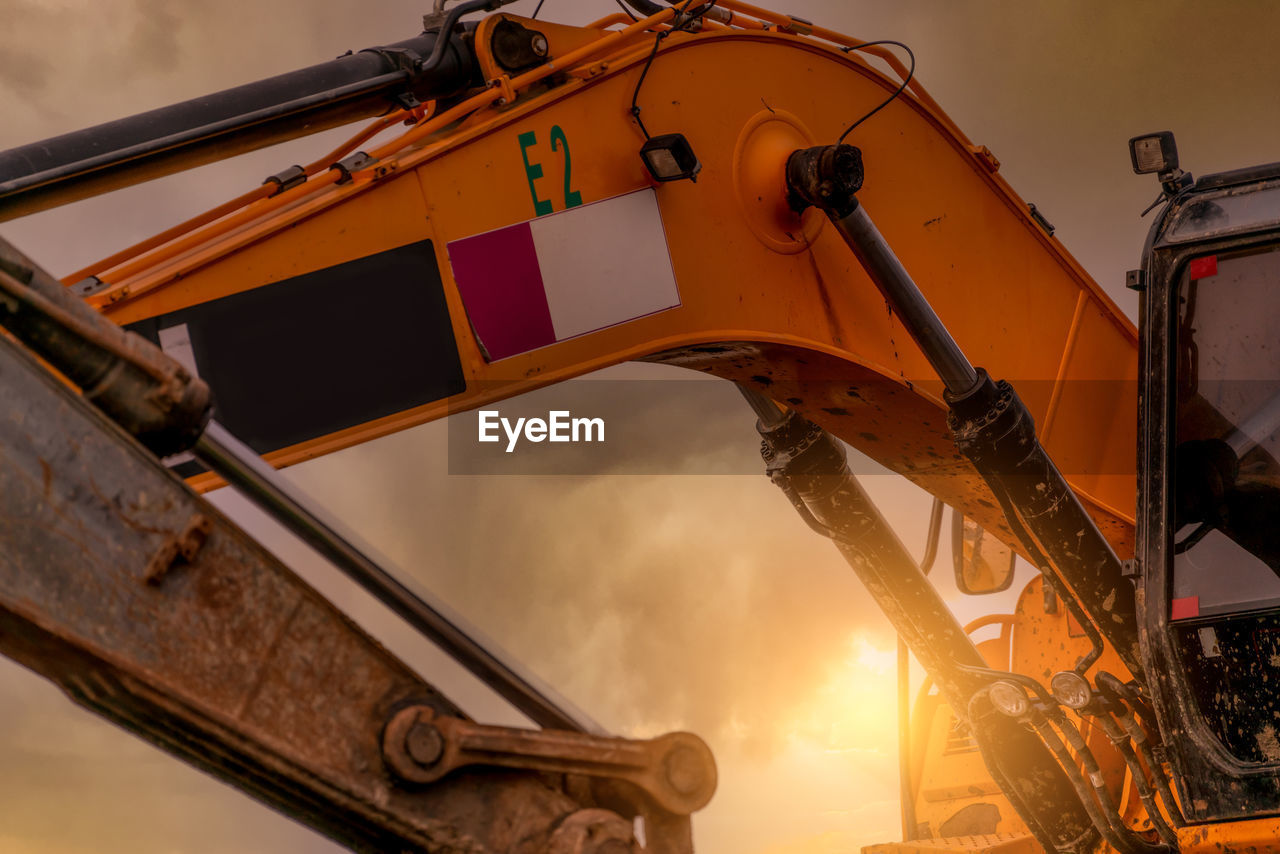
148 606
676 771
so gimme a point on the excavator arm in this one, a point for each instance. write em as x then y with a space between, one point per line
563 199
754 292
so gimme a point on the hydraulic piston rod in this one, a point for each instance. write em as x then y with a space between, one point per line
909 305
992 426
810 467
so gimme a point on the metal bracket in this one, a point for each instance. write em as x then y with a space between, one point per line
1040 219
507 92
406 101
350 165
89 286
985 157
287 179
797 26
401 59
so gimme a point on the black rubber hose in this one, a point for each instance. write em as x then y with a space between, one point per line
1122 742
1121 842
1108 682
1110 809
1108 823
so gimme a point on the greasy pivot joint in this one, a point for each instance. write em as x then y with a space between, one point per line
826 177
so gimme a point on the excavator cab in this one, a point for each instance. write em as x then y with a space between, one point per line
1209 481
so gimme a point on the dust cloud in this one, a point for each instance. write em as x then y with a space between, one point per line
656 601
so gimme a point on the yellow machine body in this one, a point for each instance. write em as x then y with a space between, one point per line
780 293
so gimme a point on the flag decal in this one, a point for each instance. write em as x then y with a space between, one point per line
566 274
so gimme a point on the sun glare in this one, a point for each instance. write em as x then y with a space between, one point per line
853 710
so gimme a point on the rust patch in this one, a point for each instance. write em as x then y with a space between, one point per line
185 545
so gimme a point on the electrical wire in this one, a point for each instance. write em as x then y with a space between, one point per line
911 72
624 7
682 21
537 9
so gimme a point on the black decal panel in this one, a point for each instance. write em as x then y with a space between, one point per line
321 352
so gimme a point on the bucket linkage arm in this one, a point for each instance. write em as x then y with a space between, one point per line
151 608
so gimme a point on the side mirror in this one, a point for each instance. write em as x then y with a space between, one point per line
983 564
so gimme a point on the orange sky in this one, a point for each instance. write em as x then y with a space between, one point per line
685 601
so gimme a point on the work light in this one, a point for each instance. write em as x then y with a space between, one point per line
670 157
1009 699
1154 152
1071 689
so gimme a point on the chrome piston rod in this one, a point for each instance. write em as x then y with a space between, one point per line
912 309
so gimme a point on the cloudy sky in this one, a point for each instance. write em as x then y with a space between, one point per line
690 601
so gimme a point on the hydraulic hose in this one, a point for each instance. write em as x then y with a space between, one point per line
1100 806
1128 700
1102 820
1123 744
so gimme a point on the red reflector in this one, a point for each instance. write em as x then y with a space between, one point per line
1184 608
1203 268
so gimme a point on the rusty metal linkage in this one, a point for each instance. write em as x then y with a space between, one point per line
676 770
241 467
149 607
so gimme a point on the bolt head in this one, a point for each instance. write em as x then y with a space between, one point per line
424 744
683 768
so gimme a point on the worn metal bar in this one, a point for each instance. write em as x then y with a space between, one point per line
145 604
676 771
240 466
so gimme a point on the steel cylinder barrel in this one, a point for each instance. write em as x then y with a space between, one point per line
993 428
359 85
810 466
991 425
